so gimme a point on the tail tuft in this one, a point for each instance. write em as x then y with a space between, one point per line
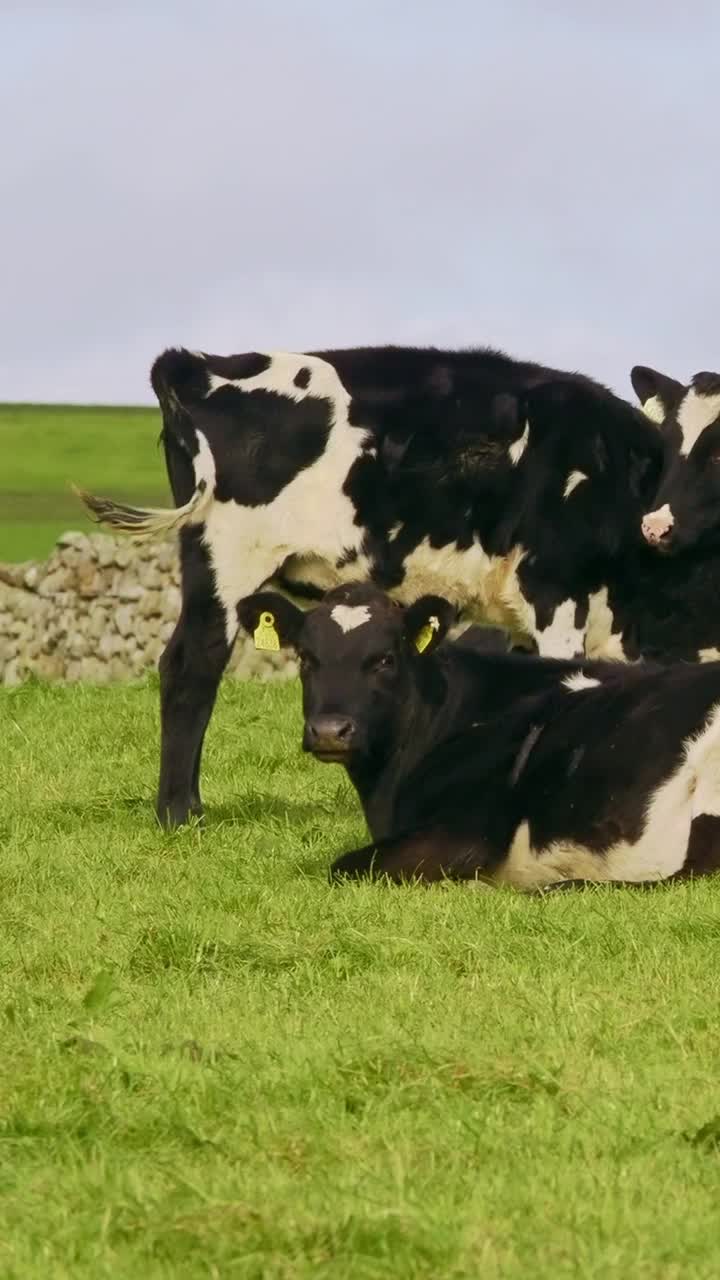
143 523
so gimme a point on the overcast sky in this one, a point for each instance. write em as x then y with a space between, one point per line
541 176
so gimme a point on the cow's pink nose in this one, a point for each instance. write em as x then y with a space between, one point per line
656 525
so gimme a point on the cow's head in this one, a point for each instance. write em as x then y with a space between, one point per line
686 509
359 652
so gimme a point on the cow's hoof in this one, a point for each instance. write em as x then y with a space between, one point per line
172 816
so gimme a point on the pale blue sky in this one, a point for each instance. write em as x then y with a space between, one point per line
539 176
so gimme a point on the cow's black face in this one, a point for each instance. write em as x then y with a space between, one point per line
358 653
686 509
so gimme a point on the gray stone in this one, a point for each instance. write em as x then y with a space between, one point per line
56 581
13 673
95 671
123 555
124 619
80 541
108 645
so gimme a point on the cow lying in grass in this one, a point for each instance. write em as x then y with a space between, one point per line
491 766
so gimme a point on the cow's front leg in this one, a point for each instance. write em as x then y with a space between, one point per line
192 666
428 856
190 672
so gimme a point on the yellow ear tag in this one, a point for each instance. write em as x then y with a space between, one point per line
425 634
265 635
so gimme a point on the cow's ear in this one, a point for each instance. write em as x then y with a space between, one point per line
658 394
427 622
273 621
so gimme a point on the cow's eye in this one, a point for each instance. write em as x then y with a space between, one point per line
384 662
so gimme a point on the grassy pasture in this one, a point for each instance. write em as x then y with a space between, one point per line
45 448
215 1064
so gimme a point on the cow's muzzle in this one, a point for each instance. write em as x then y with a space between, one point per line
657 527
330 738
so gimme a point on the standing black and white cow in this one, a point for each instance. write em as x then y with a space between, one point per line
514 770
664 596
506 486
687 514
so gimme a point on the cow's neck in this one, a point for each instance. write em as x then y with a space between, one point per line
377 779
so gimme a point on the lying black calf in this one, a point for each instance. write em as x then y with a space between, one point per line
476 764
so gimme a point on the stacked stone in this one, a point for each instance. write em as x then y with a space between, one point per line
101 609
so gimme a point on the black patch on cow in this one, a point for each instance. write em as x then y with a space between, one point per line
523 754
261 440
348 557
249 365
707 384
181 375
302 378
703 856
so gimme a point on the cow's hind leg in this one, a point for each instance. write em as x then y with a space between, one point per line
191 668
427 856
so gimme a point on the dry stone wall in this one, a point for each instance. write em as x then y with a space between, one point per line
100 609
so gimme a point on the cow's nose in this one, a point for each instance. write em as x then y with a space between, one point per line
657 526
329 735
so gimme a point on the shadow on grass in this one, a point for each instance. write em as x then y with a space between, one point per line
247 810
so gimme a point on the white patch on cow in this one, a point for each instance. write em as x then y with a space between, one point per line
574 479
695 414
655 410
277 377
579 681
655 524
561 639
350 616
600 639
394 531
692 790
518 447
708 655
310 518
485 586
204 463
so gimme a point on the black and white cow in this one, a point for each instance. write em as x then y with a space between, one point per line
508 487
687 514
489 766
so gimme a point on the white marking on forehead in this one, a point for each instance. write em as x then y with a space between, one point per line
708 655
350 616
578 681
518 447
574 479
655 410
694 415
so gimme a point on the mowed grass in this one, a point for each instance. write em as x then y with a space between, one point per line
46 448
216 1064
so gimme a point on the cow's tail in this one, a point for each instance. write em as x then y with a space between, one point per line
143 523
174 370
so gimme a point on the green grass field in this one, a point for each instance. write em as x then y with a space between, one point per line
46 448
215 1064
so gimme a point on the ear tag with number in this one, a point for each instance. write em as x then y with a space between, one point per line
265 634
425 634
